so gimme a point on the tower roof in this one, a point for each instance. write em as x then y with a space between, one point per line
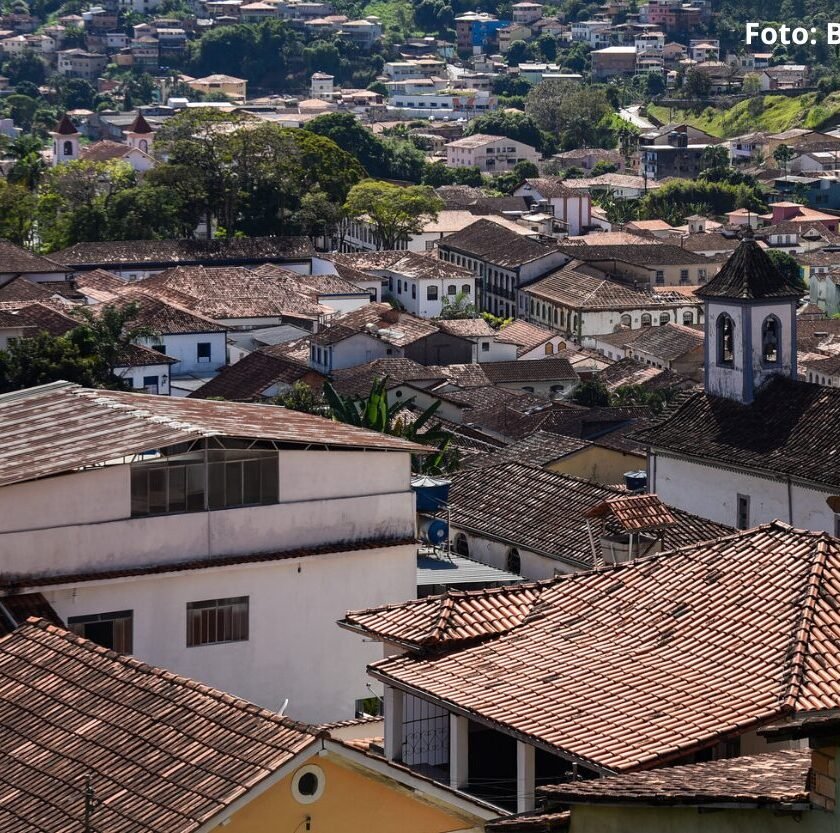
140 125
66 127
749 274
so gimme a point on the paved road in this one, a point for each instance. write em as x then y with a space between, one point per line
631 114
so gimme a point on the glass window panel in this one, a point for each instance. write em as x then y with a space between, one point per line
195 487
251 481
216 483
233 484
177 489
270 479
157 490
139 492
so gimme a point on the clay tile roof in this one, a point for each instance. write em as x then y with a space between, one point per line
748 274
135 355
530 823
549 187
166 754
524 335
186 252
548 369
15 260
253 374
791 427
457 616
539 449
467 327
164 317
224 292
400 328
497 244
101 425
140 125
771 779
15 610
668 341
99 284
103 151
22 290
543 511
648 662
634 513
358 380
577 290
45 318
65 127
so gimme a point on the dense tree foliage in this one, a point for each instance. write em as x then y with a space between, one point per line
394 212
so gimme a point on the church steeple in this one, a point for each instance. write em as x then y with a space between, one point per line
65 141
750 315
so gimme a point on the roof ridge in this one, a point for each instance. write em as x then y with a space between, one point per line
802 635
169 676
447 608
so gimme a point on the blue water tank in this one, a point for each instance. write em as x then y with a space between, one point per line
635 481
432 492
434 531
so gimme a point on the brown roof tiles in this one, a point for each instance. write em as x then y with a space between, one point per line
771 779
634 666
165 754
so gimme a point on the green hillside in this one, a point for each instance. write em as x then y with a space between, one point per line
775 114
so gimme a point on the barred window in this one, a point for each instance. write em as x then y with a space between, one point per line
213 621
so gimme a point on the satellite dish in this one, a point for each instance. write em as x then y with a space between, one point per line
833 503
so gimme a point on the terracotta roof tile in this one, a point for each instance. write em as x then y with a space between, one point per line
630 667
164 317
774 778
165 754
458 616
358 380
791 427
251 375
187 252
749 274
489 241
100 425
15 260
400 328
543 511
548 369
524 335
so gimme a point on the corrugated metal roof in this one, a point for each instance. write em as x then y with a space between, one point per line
60 427
455 569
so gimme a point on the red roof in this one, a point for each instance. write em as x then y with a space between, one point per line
66 127
645 663
140 126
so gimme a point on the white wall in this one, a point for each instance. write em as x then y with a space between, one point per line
135 376
88 526
184 348
711 491
82 497
494 553
295 649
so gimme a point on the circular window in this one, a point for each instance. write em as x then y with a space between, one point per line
308 784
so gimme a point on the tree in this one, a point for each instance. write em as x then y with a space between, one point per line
697 84
374 413
518 53
352 136
302 397
751 85
513 125
461 306
788 266
17 212
42 359
604 167
783 154
394 212
76 93
715 156
107 333
591 393
29 164
571 111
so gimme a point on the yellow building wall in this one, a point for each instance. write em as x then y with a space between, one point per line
352 802
603 465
